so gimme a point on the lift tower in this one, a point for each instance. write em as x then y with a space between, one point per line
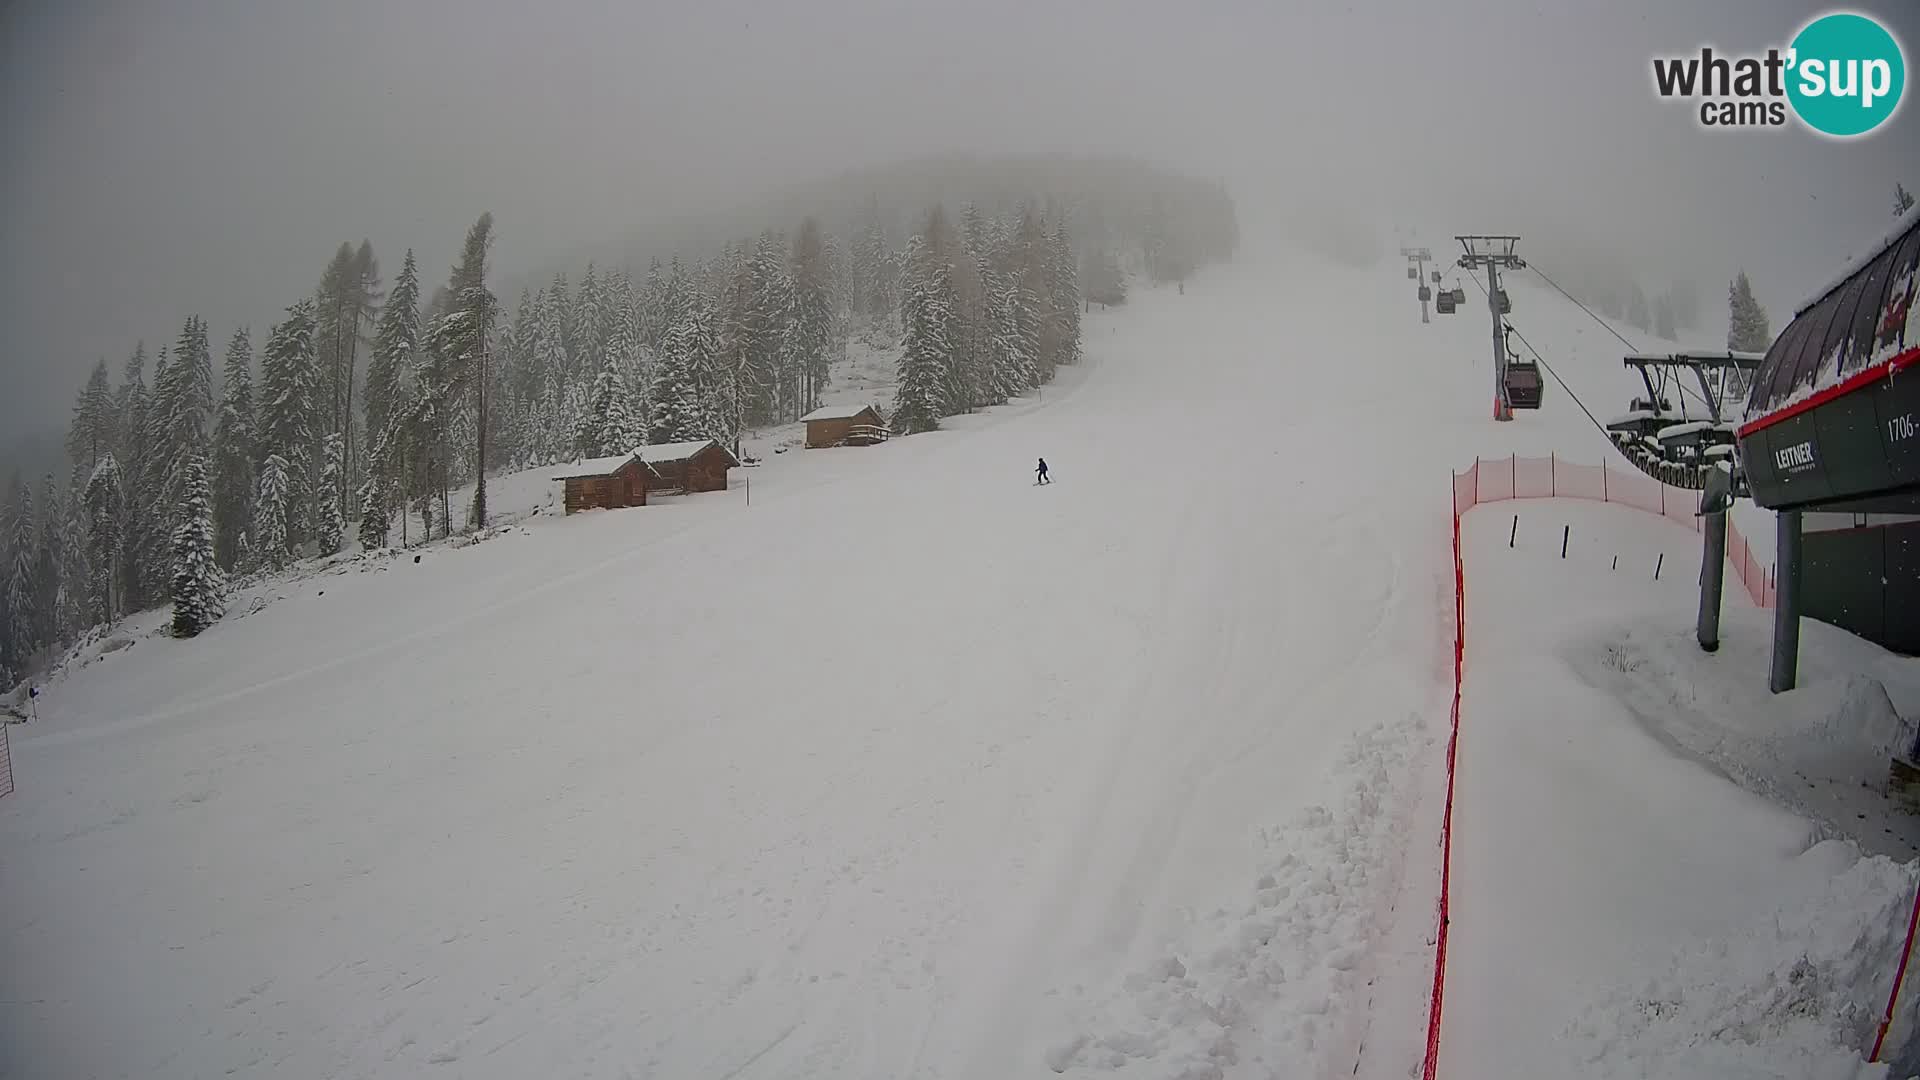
1496 254
1420 257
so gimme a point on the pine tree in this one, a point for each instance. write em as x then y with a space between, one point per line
1663 321
94 420
47 564
330 520
971 374
376 492
1747 329
366 296
272 547
130 401
654 306
395 344
630 359
1638 313
105 519
235 448
22 579
73 603
688 351
927 317
198 585
812 307
459 347
134 450
608 426
1063 294
290 415
586 324
871 271
183 402
1014 344
1902 200
766 367
334 309
345 305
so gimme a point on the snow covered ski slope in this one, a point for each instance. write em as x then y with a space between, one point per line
903 770
909 768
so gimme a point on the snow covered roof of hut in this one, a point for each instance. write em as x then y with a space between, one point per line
838 412
679 451
600 466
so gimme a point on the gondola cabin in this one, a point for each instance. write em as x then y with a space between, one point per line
1444 303
1426 293
1523 384
1413 274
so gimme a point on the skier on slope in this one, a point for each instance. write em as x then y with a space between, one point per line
1040 474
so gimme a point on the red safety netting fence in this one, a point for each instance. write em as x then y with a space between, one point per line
1499 479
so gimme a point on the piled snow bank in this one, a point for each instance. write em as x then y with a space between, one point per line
1658 866
1821 750
1281 983
1796 992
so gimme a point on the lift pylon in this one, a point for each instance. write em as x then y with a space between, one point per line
1495 253
1418 258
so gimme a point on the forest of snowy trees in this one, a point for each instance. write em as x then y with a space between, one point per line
368 403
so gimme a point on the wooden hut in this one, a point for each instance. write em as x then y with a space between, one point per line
844 425
687 466
607 483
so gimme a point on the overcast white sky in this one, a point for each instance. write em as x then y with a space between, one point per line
173 157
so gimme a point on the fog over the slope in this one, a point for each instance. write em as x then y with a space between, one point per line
207 156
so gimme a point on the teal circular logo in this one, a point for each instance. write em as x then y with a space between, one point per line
1846 74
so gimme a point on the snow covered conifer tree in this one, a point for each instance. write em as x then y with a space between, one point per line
1639 314
1063 293
290 411
927 317
22 584
183 403
330 520
608 427
812 306
105 520
1747 329
272 546
630 359
395 343
375 511
94 420
234 451
679 411
1663 322
1902 199
73 604
198 585
1014 341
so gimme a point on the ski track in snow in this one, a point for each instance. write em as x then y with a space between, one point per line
911 768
